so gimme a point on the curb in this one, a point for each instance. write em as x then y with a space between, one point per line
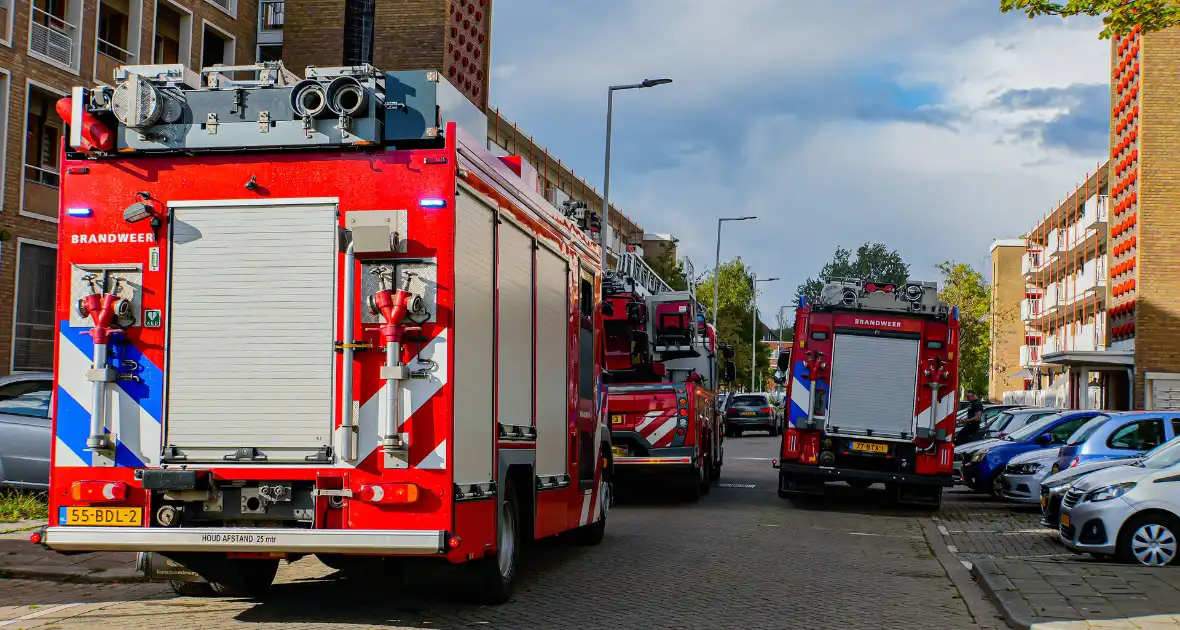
111 576
1003 593
979 607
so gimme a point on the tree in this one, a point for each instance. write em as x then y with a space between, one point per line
1118 16
734 325
873 262
967 289
664 263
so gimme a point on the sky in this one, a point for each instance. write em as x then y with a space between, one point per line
933 126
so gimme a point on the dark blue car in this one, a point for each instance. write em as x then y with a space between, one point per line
982 472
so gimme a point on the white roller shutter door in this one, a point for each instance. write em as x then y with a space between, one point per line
874 385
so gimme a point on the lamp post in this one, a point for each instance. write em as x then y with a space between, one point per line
754 335
610 104
717 283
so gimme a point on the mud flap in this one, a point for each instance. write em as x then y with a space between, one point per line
159 568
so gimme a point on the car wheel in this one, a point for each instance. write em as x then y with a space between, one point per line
1150 540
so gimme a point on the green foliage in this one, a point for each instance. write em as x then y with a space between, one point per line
873 262
1118 16
967 289
16 505
734 325
664 263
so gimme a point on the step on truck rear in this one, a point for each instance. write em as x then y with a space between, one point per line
871 390
316 316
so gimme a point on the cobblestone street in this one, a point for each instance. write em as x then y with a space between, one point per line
741 558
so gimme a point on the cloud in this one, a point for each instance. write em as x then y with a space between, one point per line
934 127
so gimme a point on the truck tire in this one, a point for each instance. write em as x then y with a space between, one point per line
692 486
192 589
706 475
250 578
592 534
715 472
495 574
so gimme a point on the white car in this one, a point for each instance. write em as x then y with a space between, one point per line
1021 481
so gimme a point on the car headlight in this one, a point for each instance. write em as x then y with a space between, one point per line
1026 469
978 456
1107 493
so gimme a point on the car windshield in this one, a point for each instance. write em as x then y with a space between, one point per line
1000 422
1086 430
1033 428
749 401
1166 456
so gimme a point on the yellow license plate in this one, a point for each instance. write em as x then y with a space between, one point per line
616 418
749 413
1065 520
104 517
1044 502
619 451
870 447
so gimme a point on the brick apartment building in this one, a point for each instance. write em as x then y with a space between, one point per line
49 46
1103 268
1007 330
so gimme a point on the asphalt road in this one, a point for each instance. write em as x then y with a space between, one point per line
740 558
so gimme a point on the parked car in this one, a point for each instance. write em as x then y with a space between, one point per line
1021 481
983 470
1118 434
1010 420
1129 512
1054 487
990 411
25 438
744 412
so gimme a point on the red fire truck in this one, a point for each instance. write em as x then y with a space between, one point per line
317 316
871 391
661 387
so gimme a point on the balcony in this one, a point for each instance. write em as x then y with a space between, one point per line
1030 263
1096 212
52 39
41 191
270 22
1030 356
1030 309
110 57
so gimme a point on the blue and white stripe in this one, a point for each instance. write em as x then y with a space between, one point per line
134 409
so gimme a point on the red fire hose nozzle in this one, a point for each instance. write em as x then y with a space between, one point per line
393 306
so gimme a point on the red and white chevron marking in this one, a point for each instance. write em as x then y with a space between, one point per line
657 427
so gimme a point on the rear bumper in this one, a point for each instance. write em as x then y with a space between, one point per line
224 539
838 474
749 421
658 461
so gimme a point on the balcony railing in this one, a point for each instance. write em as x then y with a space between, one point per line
270 15
1030 355
110 57
41 191
228 5
52 38
1030 309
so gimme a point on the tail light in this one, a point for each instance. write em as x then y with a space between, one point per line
764 410
1075 462
98 491
389 493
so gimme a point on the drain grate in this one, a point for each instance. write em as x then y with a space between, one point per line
736 485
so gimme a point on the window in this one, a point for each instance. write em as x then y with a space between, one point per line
43 133
586 376
1087 430
270 52
1175 426
217 47
1142 435
33 335
174 35
117 41
1062 431
358 33
54 36
6 15
26 398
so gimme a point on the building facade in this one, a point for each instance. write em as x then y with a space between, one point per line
47 47
1008 290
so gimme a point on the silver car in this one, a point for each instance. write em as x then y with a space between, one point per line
1021 481
25 437
1129 512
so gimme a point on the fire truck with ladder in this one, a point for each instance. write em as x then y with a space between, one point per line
872 378
660 379
316 316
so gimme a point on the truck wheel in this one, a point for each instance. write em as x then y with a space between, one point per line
593 533
192 589
692 486
715 472
783 493
495 575
706 478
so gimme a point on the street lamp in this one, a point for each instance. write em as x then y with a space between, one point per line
717 283
610 102
754 335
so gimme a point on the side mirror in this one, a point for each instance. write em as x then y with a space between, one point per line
727 352
1045 439
730 371
784 362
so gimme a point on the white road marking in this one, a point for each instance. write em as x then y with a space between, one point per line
942 530
39 613
952 549
966 564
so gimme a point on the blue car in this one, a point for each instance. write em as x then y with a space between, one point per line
983 471
1118 434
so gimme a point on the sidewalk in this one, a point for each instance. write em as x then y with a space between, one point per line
1068 594
21 559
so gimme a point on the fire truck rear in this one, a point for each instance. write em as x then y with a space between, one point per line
316 316
661 386
871 391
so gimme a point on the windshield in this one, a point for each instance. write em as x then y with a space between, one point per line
1165 456
1000 422
749 401
1035 427
1086 430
